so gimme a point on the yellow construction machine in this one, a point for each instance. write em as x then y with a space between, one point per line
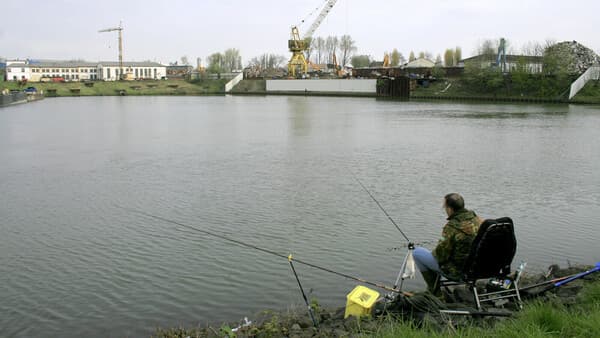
298 64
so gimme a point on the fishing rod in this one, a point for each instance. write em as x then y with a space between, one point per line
382 209
408 259
557 282
267 251
310 309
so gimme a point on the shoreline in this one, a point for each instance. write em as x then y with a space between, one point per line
295 322
180 87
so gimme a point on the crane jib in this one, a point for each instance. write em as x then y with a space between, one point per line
326 9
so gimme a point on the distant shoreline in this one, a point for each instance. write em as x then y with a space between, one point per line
180 87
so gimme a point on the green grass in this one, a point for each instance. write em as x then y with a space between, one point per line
101 88
590 93
458 89
538 319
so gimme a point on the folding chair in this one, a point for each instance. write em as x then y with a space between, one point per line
491 255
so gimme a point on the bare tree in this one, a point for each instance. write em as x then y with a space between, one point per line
532 48
184 61
320 50
232 59
331 46
411 56
487 48
347 49
267 61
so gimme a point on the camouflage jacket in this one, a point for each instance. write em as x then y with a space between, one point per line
453 249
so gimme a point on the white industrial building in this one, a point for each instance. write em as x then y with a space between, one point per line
110 71
46 70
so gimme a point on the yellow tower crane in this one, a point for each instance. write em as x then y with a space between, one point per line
120 30
299 45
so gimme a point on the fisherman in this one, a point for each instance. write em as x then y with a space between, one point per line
448 257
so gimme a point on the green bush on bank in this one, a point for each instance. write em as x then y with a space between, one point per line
518 83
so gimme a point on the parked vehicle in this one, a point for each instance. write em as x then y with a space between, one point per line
30 90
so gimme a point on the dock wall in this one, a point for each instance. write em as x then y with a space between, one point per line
16 98
12 98
363 86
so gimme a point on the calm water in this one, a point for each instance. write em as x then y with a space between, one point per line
275 172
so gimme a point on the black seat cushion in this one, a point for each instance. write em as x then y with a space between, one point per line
492 250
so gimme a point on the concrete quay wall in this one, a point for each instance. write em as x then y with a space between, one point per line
12 98
16 98
362 86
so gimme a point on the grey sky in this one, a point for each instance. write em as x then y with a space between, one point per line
166 30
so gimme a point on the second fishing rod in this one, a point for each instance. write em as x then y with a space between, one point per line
264 250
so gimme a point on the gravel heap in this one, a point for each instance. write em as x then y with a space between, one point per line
576 57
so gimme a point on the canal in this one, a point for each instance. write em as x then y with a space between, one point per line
276 172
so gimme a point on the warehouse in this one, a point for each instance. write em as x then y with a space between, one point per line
51 70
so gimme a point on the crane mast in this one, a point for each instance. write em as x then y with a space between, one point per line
120 30
298 45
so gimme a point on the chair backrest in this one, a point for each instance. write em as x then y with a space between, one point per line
492 250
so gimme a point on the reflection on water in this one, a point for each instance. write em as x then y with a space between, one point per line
275 172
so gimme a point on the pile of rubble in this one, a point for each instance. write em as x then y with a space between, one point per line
575 57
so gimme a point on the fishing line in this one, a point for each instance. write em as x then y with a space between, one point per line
382 209
267 251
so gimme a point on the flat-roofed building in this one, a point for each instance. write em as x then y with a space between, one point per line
110 71
67 70
47 70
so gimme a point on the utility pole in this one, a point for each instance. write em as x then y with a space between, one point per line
120 30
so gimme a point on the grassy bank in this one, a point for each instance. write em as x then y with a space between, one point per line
538 319
101 88
589 94
452 89
455 88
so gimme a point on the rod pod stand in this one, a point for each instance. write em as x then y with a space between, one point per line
310 310
400 278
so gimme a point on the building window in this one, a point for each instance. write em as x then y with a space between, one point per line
9 70
22 70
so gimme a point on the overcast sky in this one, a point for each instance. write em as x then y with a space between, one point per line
164 31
